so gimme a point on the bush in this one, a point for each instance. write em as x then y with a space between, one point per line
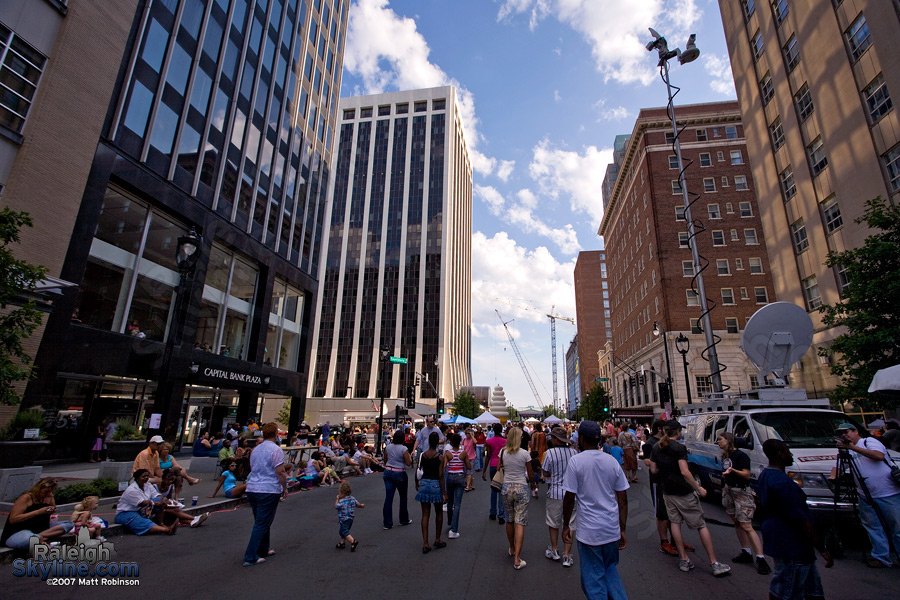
24 419
126 431
104 488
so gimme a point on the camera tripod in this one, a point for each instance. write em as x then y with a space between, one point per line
845 489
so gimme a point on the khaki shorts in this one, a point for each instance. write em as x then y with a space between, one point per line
555 514
685 509
739 503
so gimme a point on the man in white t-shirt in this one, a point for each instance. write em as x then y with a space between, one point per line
879 509
597 482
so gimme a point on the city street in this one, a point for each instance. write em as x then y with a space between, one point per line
205 562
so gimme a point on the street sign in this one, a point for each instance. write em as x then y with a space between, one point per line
601 378
398 361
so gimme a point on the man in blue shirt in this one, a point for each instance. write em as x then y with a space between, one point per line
788 532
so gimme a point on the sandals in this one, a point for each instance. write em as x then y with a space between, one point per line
354 545
426 549
271 553
521 565
258 561
439 544
341 545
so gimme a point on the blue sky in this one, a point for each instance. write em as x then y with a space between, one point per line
545 86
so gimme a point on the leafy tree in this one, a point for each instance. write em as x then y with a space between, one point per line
591 408
16 277
514 414
284 415
549 410
869 310
466 405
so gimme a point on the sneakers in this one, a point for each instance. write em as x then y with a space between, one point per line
492 517
568 561
668 548
686 565
521 565
719 569
551 553
452 535
198 520
501 520
744 557
762 567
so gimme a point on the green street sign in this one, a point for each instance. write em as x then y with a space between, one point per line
398 361
601 379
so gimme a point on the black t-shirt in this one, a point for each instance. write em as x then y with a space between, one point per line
739 461
666 460
648 451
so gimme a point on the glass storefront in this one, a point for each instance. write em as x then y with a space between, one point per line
227 304
283 331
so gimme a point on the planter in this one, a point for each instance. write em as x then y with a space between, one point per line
21 454
124 451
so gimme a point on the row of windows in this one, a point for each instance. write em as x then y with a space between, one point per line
401 108
723 266
20 70
730 132
706 159
760 295
709 184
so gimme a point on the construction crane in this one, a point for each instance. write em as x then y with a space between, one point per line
515 348
553 319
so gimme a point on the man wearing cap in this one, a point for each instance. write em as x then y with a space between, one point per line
879 502
556 460
595 480
303 434
148 459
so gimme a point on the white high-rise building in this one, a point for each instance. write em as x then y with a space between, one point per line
397 258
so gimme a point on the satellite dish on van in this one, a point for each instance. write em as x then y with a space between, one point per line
777 336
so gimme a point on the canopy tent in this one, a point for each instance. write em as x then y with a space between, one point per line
552 419
876 424
532 420
459 419
886 380
415 417
445 418
486 418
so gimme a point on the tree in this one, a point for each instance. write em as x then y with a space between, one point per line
869 309
466 405
513 414
16 278
284 415
592 405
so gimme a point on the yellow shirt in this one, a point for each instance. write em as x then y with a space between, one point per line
147 459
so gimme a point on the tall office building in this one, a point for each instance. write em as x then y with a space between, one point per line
592 314
650 263
153 119
398 257
573 378
612 169
814 81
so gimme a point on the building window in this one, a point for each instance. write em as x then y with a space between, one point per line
720 156
858 37
683 239
746 209
798 234
349 114
739 264
704 384
750 237
817 158
736 158
781 10
766 89
804 102
756 44
725 181
709 184
776 131
740 183
843 281
679 213
364 113
734 236
673 161
284 328
811 293
744 294
705 160
791 53
670 137
438 104
788 187
728 296
749 8
713 211
692 298
731 133
722 266
403 109
384 111
701 135
718 238
756 267
687 268
761 294
878 101
695 326
831 215
729 208
754 382
676 186
892 165
717 132
19 75
731 325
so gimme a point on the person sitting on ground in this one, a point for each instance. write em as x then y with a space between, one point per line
228 480
350 463
137 504
242 457
171 508
367 462
316 468
331 476
167 461
30 516
201 444
148 459
83 518
216 444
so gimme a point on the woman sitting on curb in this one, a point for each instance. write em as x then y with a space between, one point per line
233 489
30 516
138 503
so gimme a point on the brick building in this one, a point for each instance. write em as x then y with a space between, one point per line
651 269
592 314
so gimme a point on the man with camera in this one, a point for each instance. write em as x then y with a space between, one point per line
879 494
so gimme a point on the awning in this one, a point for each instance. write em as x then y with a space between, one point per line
635 413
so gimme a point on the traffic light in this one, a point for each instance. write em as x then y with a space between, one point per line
663 394
410 396
440 406
605 402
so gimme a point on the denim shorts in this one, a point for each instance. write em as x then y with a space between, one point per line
430 492
795 581
345 528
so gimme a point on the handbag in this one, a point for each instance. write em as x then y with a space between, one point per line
497 479
419 472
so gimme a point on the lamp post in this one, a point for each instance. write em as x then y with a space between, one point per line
683 344
657 330
187 253
385 355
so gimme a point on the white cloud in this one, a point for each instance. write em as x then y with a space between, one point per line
490 196
610 114
580 176
556 97
720 69
521 212
616 30
388 53
505 169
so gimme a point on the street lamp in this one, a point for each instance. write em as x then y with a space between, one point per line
385 355
187 253
683 344
657 330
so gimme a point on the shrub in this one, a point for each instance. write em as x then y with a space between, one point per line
126 431
76 492
24 419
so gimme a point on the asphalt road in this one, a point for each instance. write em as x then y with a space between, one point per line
206 562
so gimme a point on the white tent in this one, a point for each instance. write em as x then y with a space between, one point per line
552 419
886 380
532 420
486 418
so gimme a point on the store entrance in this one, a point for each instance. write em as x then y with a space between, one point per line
206 408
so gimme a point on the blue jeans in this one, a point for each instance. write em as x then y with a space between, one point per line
395 481
456 487
263 507
599 577
479 456
878 533
495 496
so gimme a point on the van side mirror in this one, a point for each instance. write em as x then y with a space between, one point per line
744 443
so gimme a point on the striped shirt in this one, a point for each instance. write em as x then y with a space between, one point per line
455 466
555 462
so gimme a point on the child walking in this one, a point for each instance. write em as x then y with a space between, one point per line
345 504
82 517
